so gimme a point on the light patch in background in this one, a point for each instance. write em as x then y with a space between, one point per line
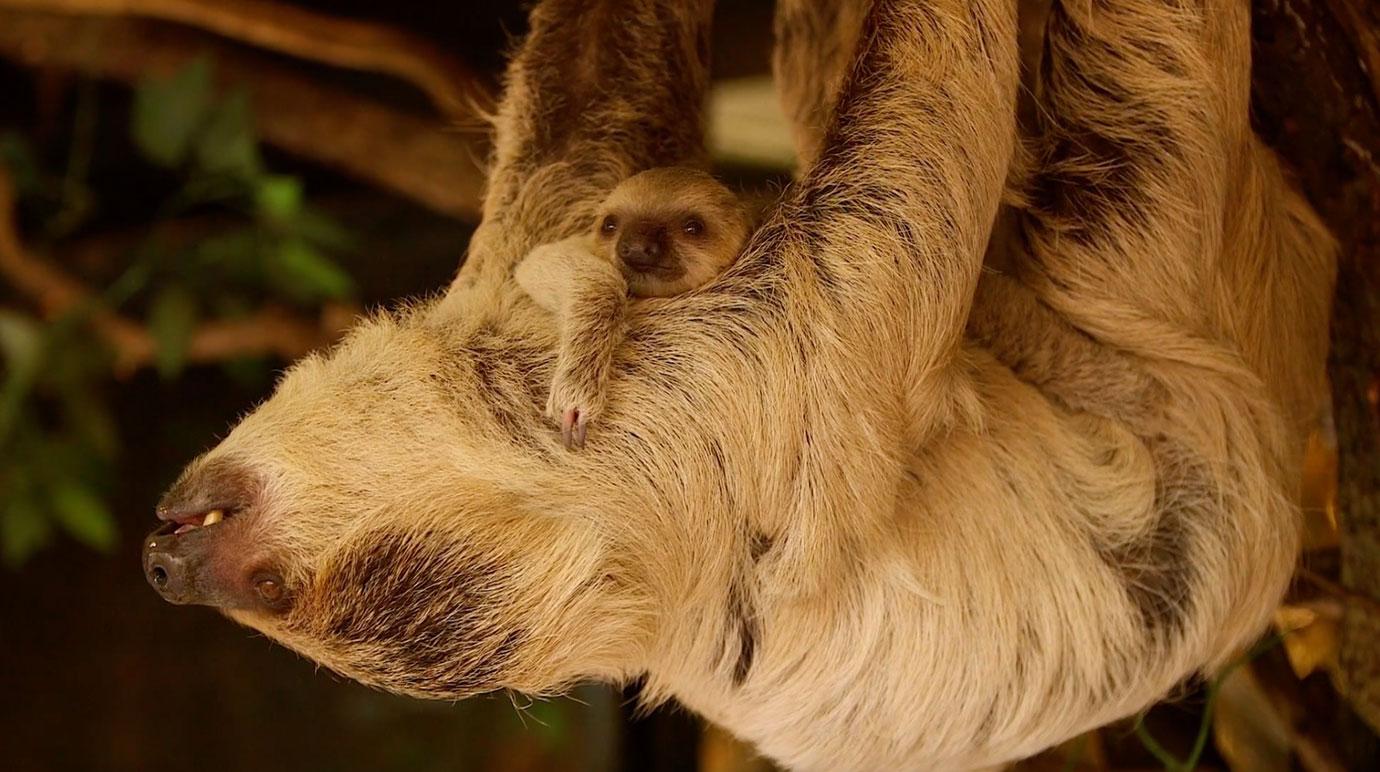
747 126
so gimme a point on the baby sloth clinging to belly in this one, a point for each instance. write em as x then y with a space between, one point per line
659 233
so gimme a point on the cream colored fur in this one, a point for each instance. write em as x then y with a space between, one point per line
834 506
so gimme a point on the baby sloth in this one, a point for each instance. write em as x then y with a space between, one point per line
659 233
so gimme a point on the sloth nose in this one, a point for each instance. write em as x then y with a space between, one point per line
170 568
640 248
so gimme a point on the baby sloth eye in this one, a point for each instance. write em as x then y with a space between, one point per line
693 226
609 225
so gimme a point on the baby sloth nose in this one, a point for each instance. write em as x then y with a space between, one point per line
641 248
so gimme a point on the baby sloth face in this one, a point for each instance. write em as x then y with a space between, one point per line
670 230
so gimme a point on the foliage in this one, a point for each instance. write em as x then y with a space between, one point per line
1163 755
58 439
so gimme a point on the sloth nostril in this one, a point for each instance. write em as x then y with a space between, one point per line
160 576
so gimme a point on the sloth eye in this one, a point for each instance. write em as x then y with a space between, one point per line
609 225
693 227
269 587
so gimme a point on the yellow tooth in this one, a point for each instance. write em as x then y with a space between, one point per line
213 517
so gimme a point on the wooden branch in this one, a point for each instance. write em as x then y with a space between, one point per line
417 158
1339 592
1360 20
1316 102
269 331
452 88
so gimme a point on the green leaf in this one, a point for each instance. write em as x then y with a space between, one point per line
300 270
22 344
23 530
85 516
321 230
168 113
172 318
21 341
18 156
278 197
90 420
227 145
234 248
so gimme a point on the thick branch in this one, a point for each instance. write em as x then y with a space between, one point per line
270 331
1317 104
417 158
305 34
1360 20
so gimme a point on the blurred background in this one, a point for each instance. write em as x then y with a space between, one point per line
193 193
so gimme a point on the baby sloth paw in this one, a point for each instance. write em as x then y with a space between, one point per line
573 411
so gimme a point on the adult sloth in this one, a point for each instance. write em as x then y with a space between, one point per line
817 510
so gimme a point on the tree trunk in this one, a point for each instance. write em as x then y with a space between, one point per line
1316 100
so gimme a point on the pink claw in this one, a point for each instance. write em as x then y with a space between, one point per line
573 429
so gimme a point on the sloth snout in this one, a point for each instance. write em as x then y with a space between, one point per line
641 248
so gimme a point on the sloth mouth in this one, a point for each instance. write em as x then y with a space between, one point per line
179 523
661 271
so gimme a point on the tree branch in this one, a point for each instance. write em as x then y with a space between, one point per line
417 158
452 88
269 331
1316 102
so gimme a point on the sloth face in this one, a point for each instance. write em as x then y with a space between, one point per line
363 517
671 230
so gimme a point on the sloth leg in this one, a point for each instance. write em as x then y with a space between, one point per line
1142 136
876 252
589 298
899 204
815 40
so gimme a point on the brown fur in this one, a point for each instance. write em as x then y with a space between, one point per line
835 507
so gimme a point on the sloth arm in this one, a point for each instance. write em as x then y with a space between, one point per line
589 298
900 202
876 252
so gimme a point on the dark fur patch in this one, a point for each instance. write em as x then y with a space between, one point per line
654 51
742 616
512 381
413 612
1157 569
1093 176
759 546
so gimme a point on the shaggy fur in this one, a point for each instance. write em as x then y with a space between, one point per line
833 506
585 281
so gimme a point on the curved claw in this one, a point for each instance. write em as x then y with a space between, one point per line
573 428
